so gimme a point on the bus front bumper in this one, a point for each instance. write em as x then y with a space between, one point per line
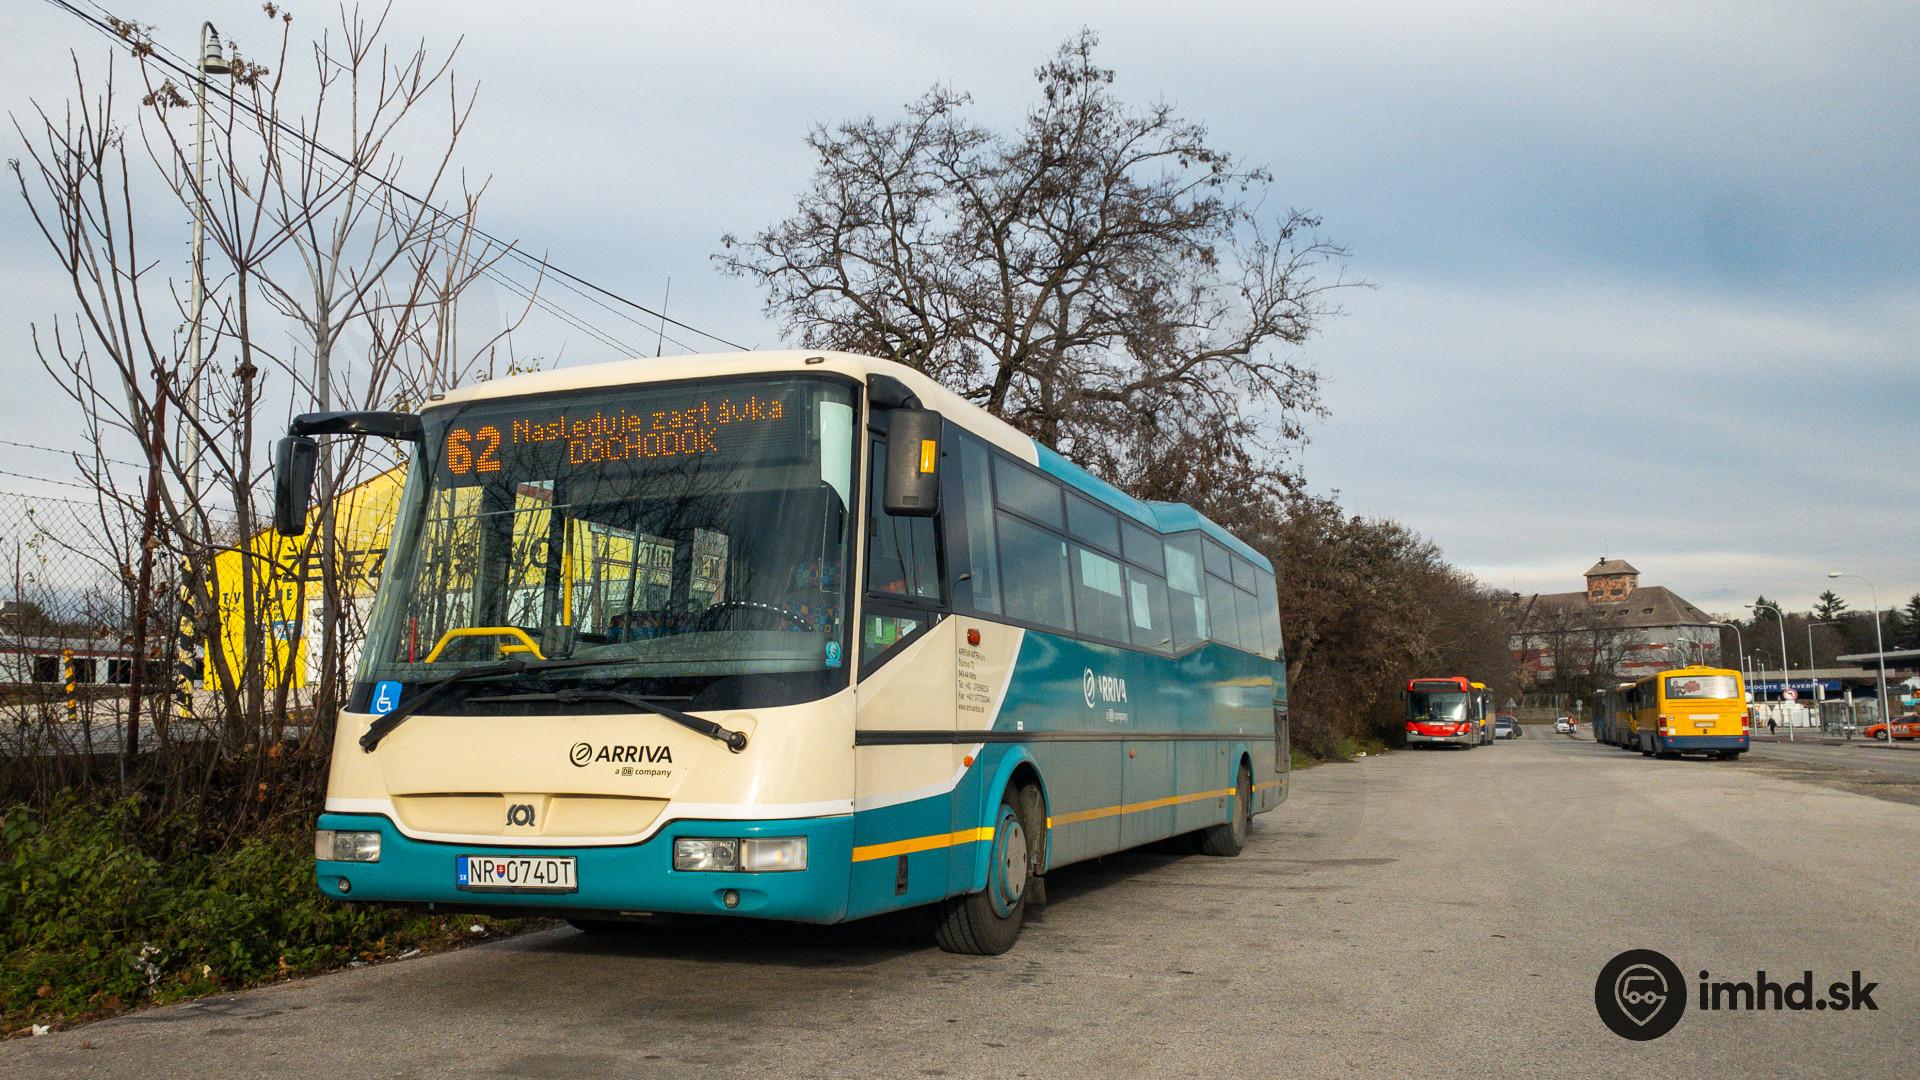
1465 738
622 878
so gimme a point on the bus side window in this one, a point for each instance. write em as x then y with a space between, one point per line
1035 563
1222 612
983 561
1142 548
1099 597
1092 524
1147 611
1188 598
1270 616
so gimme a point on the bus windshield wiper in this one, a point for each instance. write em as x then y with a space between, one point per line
437 689
735 741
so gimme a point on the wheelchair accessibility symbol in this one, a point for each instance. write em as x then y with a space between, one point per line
386 695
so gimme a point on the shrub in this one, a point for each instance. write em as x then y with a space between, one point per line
100 911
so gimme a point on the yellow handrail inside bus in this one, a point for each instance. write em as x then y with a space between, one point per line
525 644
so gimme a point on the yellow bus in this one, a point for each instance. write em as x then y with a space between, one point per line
1689 710
1483 712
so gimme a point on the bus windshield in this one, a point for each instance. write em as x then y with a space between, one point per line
1444 705
698 531
1701 686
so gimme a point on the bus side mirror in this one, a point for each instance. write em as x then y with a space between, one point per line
293 462
913 464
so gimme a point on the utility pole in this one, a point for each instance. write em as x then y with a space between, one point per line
187 626
212 62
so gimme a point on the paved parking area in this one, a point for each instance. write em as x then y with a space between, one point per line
1435 913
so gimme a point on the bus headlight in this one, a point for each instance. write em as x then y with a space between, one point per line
692 853
753 854
331 845
774 853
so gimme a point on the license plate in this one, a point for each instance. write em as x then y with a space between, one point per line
517 873
1703 723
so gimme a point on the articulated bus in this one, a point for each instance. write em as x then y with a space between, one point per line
1689 710
1448 711
781 635
1610 715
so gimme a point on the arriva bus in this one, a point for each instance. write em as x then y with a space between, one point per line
1448 711
1689 710
780 635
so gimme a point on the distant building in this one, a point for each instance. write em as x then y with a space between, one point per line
1614 630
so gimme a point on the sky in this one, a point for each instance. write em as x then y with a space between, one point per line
1645 277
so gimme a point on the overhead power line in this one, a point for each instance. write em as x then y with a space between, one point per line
71 453
181 67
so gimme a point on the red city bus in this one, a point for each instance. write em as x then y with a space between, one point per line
1444 711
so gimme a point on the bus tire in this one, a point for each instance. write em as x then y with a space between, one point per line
1227 840
987 923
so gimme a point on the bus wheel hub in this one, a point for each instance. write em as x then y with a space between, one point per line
1010 871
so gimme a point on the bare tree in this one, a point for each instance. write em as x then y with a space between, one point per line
327 287
1102 277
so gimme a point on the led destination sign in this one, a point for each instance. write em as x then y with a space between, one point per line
577 436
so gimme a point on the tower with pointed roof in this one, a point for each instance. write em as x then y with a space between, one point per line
1611 579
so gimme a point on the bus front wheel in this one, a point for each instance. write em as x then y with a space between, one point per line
987 923
1229 838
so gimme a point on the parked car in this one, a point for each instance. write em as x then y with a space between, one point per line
1904 727
1505 728
1563 725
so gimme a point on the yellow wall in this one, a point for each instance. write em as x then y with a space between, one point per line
363 522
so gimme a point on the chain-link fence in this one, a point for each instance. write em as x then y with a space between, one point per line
78 676
66 627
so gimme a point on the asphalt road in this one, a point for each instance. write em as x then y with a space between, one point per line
1429 913
1901 760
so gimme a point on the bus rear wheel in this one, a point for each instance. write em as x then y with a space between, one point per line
1229 839
987 923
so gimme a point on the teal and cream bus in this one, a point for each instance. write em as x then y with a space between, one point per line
780 635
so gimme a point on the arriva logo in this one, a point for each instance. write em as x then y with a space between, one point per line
1110 689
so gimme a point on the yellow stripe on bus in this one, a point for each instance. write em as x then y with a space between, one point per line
970 836
1079 816
921 843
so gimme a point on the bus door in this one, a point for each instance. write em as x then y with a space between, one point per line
904 708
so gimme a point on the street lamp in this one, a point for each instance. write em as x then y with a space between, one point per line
1879 647
1786 682
1739 645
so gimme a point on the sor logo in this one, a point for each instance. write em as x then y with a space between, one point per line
1640 995
520 814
